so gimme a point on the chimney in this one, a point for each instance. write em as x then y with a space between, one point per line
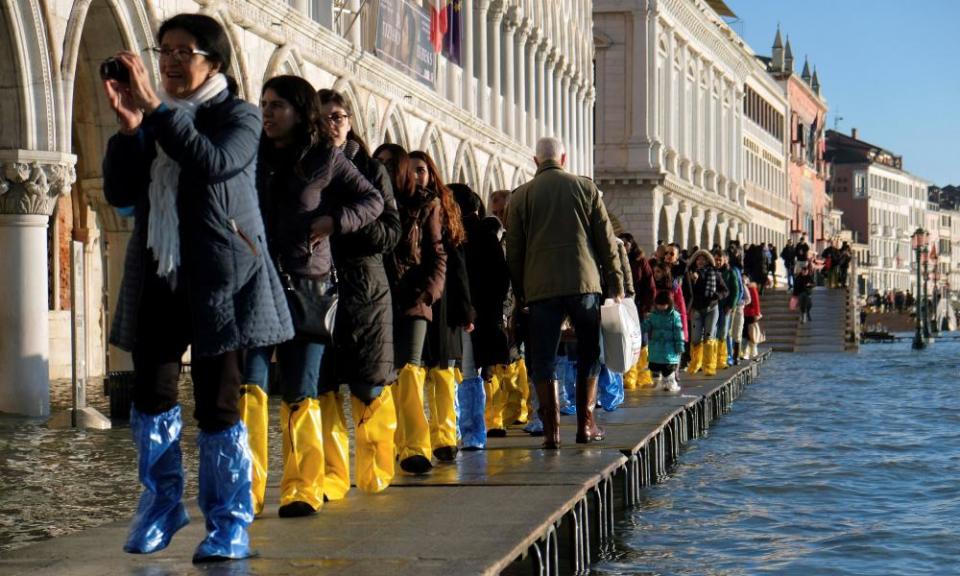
855 134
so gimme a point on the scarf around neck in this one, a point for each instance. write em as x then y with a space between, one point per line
163 225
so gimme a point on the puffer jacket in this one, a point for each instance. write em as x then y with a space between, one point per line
420 259
236 301
294 193
707 286
664 330
364 325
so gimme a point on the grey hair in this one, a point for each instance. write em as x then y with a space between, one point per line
550 148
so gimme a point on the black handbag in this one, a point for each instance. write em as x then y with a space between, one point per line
313 305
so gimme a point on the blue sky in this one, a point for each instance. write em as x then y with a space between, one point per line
891 68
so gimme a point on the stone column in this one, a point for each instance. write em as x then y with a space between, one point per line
541 90
509 102
580 129
116 236
522 57
354 35
496 103
483 105
591 98
30 182
469 97
566 116
549 126
557 79
531 52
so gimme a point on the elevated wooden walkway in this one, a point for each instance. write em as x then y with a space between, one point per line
512 508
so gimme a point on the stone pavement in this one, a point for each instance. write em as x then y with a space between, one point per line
476 516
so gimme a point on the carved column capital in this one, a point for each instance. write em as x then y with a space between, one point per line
31 181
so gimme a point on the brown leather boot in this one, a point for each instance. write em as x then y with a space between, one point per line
549 413
587 429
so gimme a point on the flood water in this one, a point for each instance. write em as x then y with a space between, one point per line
828 464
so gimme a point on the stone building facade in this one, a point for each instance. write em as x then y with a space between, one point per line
673 131
525 70
882 204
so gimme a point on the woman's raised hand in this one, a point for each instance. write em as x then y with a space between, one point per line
128 114
141 91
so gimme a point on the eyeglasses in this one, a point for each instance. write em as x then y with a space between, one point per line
178 54
337 119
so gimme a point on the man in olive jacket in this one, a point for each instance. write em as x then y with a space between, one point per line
559 241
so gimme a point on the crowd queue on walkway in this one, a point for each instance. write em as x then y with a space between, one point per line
274 235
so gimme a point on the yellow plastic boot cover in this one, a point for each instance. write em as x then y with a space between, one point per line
696 358
443 414
510 384
710 357
254 411
526 405
303 465
721 354
644 377
336 446
630 377
413 430
375 426
493 410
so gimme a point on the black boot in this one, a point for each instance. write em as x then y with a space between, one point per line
736 353
549 412
587 429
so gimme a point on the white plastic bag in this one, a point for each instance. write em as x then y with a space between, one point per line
622 336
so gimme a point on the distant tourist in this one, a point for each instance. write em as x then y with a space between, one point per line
751 322
789 256
803 289
802 253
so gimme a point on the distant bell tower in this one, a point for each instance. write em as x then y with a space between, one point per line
788 58
777 65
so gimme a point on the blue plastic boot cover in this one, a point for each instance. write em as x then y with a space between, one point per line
567 372
473 429
729 350
225 494
610 389
160 512
534 424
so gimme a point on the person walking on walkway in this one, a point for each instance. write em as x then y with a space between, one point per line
727 307
803 289
419 270
363 348
665 332
789 256
196 274
453 314
560 218
802 253
736 325
708 290
751 319
308 190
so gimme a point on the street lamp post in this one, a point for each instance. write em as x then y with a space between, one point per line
918 242
932 324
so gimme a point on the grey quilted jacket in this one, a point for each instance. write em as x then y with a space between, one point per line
235 295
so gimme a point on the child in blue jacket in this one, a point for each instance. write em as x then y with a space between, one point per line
665 333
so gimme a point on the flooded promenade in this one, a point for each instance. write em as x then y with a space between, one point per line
506 509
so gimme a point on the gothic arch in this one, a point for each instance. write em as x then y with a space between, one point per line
239 69
349 92
493 179
680 230
432 144
465 166
284 60
394 128
31 80
520 176
718 236
663 227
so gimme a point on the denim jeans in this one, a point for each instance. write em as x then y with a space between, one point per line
704 324
298 362
546 320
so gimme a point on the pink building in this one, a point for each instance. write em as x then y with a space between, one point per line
808 170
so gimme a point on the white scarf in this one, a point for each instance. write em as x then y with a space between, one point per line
163 226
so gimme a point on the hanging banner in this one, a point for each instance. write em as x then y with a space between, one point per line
403 39
452 35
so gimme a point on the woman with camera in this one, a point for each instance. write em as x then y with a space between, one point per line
309 191
196 274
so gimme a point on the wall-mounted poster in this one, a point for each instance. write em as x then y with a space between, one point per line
403 39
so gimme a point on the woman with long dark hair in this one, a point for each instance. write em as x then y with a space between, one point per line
451 314
196 275
417 273
363 357
309 192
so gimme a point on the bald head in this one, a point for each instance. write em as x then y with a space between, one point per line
550 149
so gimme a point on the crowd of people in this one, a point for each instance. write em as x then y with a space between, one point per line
276 236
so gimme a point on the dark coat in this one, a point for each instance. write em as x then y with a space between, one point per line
451 313
364 327
489 288
755 264
294 193
420 260
235 297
